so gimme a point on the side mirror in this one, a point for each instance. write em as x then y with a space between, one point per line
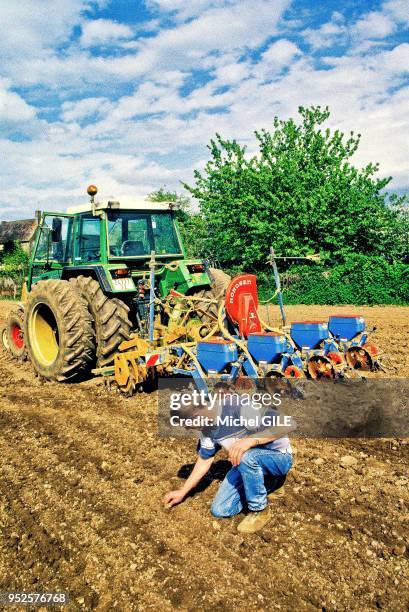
56 230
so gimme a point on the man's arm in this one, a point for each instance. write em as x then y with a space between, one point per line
202 466
257 439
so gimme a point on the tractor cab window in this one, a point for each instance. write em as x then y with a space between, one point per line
132 234
54 243
164 234
89 239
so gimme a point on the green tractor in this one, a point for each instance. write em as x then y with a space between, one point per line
89 286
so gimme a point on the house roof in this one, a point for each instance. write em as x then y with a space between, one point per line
22 231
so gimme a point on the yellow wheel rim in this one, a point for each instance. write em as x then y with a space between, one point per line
43 331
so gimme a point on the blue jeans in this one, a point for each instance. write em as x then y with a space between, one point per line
260 471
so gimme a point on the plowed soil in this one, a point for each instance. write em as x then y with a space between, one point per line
83 474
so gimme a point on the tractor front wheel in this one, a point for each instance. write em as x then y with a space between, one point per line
58 331
4 342
109 315
208 311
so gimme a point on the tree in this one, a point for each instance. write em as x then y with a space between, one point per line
300 193
16 259
14 265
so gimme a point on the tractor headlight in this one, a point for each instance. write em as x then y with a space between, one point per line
121 273
196 268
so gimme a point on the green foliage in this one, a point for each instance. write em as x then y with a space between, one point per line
13 264
400 205
300 194
358 280
164 195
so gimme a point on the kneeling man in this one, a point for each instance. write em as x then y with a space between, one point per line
260 461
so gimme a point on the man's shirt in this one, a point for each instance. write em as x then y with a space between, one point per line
234 423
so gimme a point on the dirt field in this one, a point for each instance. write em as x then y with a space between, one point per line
83 475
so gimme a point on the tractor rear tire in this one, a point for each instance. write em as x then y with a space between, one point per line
58 331
217 291
15 334
109 315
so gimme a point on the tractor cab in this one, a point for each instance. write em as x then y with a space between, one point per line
135 234
125 230
113 242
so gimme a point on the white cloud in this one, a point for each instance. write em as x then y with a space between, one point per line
280 52
184 10
13 108
370 27
373 25
103 31
327 34
131 144
31 25
85 108
398 10
31 33
198 43
384 128
231 73
383 69
53 173
243 24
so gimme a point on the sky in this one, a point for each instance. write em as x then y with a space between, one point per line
126 94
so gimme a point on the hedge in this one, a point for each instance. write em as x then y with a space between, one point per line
359 280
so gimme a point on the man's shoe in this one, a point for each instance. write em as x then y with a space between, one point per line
254 521
276 493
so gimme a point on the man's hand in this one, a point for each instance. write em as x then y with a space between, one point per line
174 497
201 467
239 448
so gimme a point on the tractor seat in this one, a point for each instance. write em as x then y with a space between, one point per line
133 247
89 249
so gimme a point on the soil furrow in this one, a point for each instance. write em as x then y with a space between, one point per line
83 473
